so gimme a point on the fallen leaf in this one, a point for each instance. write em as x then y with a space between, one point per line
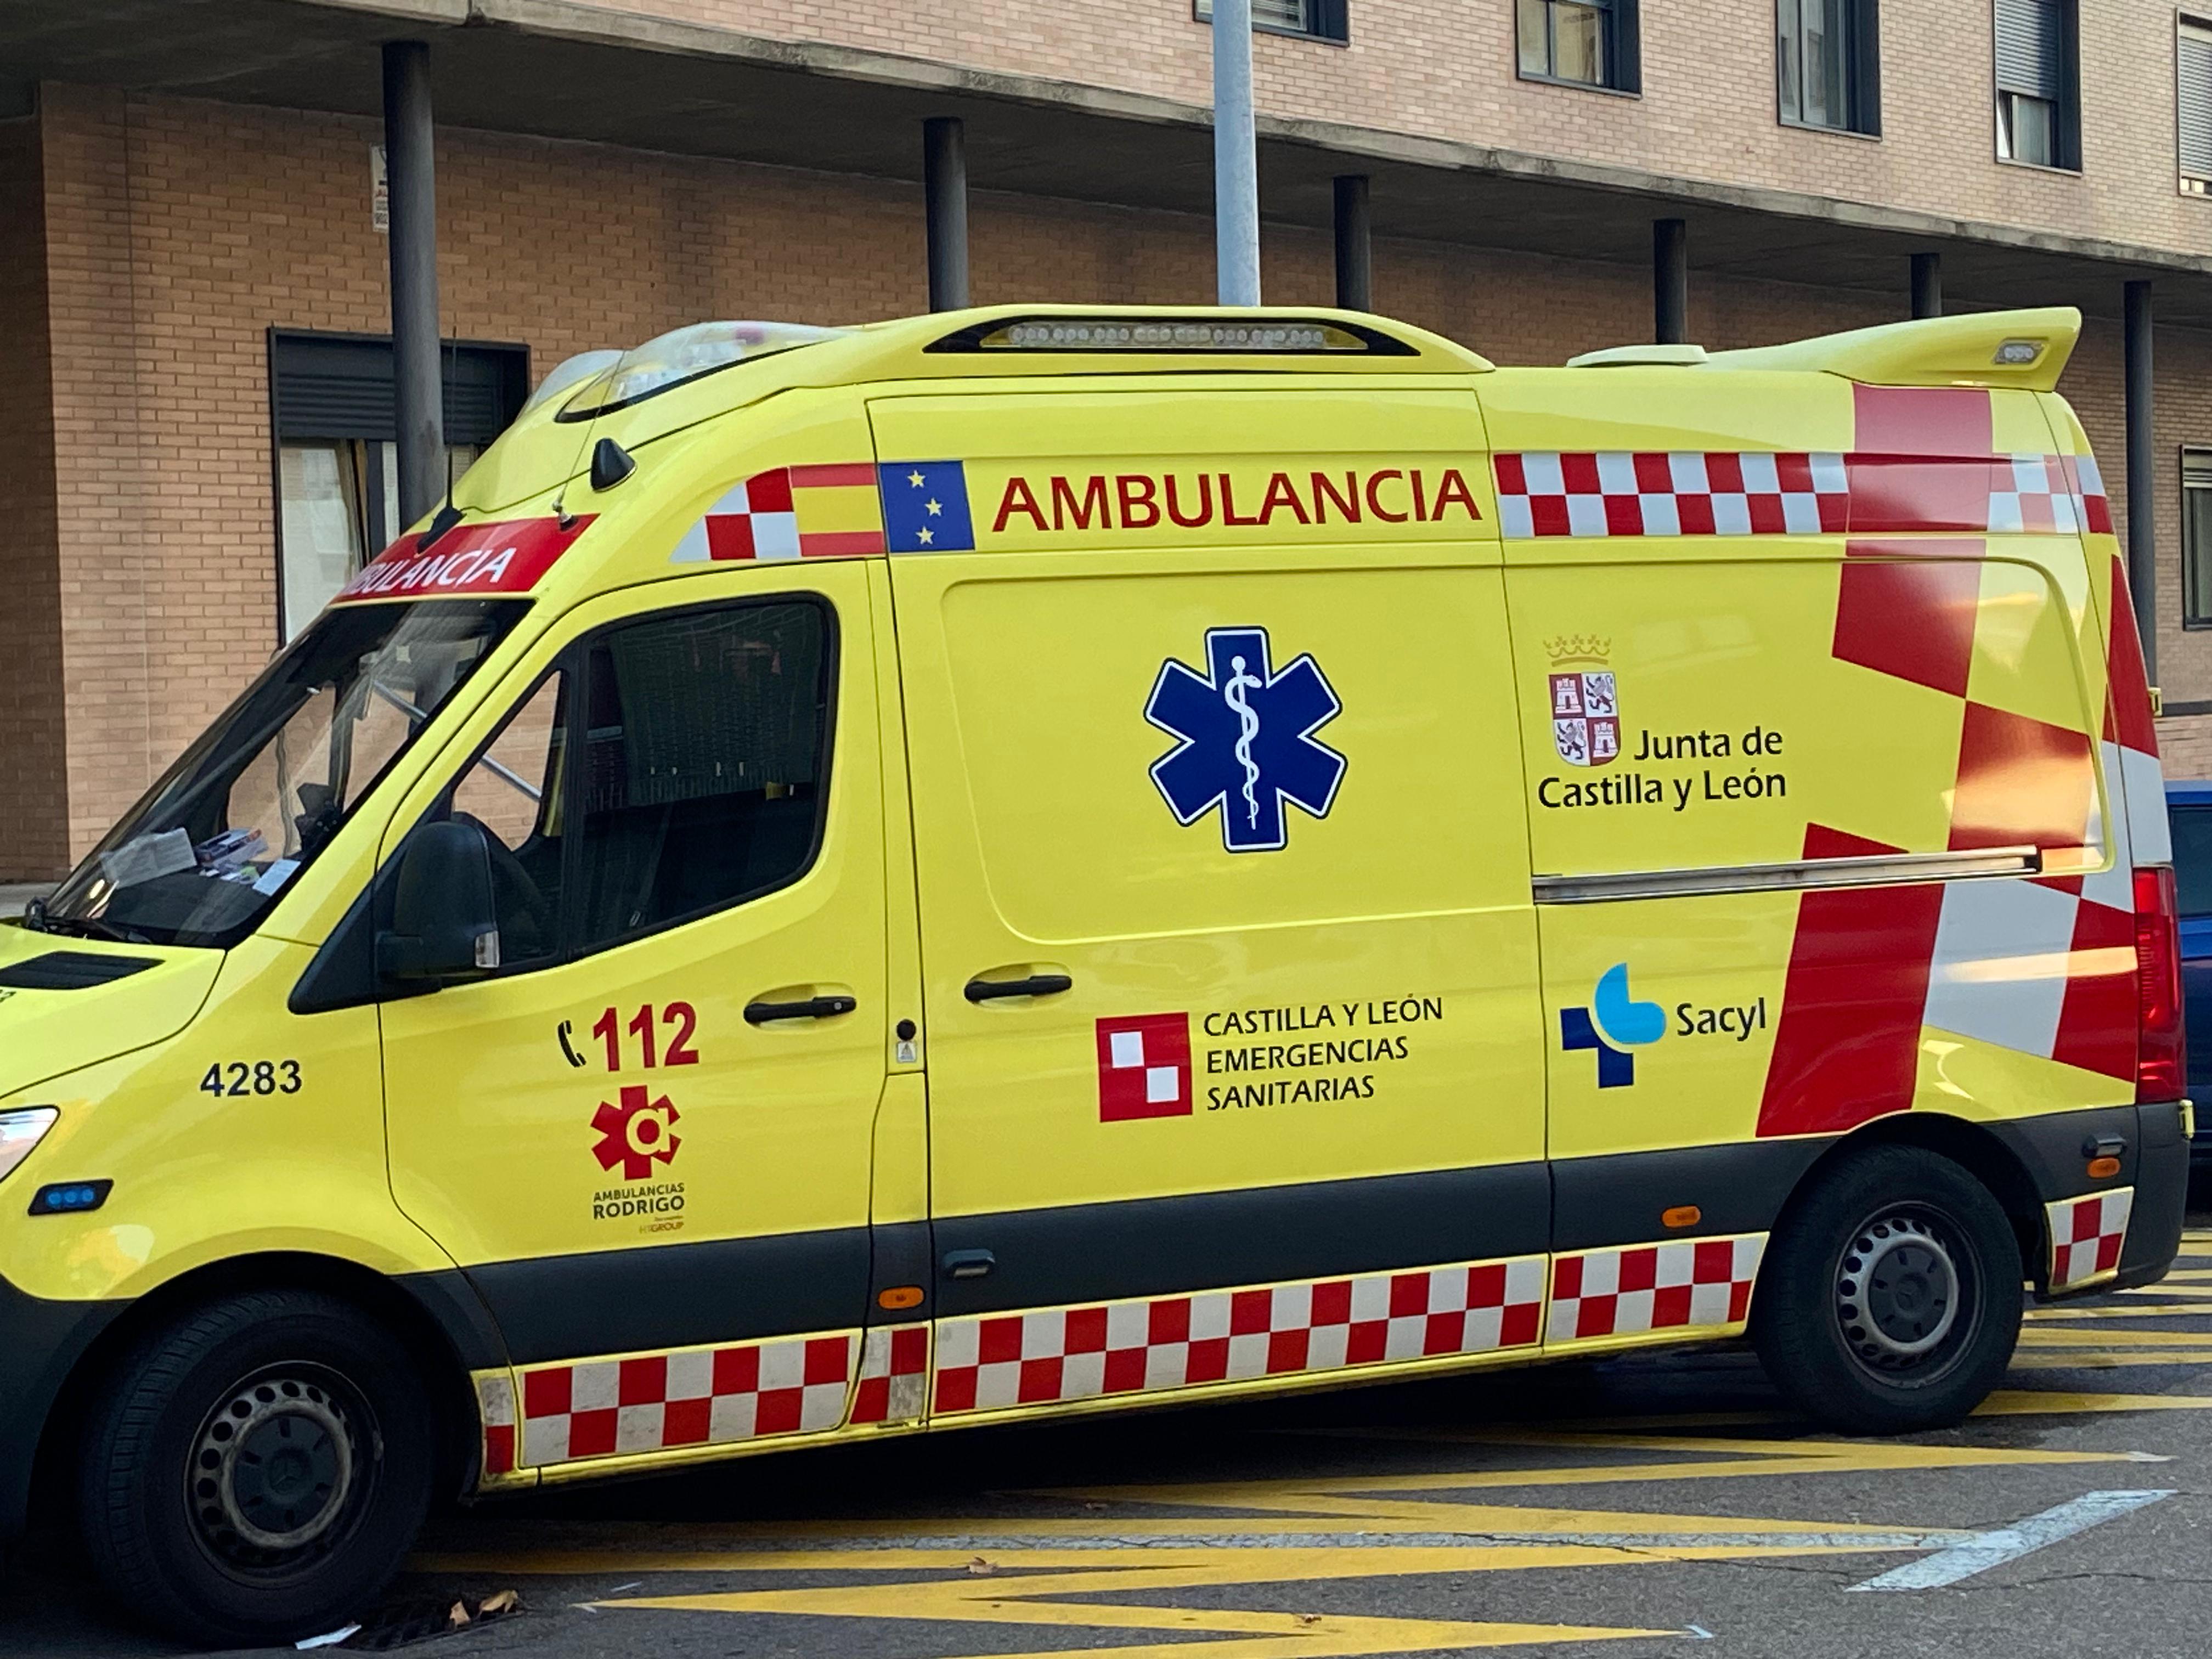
1308 1618
458 1614
500 1601
980 1568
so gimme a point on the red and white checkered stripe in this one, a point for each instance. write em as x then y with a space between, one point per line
2092 508
2087 1236
1622 492
758 518
1214 1336
2042 968
496 1406
1681 1284
692 1397
893 1386
2040 494
755 519
1637 493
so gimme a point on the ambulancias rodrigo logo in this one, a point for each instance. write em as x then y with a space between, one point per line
1612 1023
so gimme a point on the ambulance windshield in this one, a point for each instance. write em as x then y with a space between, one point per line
209 847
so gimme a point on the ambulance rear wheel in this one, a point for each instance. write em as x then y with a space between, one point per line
1890 1298
255 1471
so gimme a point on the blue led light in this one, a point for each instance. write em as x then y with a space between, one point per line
70 1197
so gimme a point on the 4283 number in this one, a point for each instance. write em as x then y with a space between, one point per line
230 1079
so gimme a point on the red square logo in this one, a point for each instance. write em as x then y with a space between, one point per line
1143 1067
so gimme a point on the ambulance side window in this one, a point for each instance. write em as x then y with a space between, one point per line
513 792
702 764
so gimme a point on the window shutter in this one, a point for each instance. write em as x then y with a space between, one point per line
2195 100
2032 48
327 387
1323 19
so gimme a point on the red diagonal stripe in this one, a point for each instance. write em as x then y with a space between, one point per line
1847 1044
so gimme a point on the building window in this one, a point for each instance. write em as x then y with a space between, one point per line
2193 102
1584 43
1314 19
1828 57
2039 112
337 477
2196 538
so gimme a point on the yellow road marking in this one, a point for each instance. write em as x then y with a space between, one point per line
2037 1402
2131 1310
1049 1571
1749 1457
2103 1358
1267 1635
2166 1286
1352 1519
2045 1336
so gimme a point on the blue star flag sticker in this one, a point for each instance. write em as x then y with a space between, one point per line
1247 739
925 506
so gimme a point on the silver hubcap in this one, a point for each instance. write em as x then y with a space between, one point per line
272 1466
1897 1296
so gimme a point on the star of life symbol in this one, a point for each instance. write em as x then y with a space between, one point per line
1585 702
1247 742
636 1134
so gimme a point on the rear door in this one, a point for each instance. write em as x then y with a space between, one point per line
1229 958
1792 788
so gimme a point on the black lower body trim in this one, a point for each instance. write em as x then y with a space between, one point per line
1250 1236
45 1341
1737 1188
677 1295
2161 1196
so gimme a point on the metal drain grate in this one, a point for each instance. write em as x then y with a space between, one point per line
404 1623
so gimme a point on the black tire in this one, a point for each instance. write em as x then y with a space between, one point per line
255 1471
1890 1298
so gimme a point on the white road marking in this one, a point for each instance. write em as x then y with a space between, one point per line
1990 1549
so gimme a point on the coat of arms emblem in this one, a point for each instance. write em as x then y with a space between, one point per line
1585 701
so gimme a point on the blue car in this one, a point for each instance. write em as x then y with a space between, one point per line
2189 808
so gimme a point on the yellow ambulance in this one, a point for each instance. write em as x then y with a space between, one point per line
862 880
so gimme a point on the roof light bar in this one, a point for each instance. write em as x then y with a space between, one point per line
1208 336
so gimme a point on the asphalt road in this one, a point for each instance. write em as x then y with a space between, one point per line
1630 1508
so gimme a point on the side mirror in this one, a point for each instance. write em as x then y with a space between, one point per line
444 924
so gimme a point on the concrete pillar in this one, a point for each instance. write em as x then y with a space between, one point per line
1236 159
945 198
1670 280
411 173
1355 254
1927 285
2142 483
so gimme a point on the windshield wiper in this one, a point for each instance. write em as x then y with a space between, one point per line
92 927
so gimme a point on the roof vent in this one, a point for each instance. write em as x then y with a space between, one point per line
1670 356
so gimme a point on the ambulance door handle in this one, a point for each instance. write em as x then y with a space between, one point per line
760 1013
1037 985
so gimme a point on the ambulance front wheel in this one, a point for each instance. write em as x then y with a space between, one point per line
255 1471
1890 1298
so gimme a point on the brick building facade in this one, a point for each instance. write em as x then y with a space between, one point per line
606 173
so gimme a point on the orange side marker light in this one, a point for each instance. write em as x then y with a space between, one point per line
899 1297
1682 1215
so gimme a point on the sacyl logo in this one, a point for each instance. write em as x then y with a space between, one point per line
1613 1024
